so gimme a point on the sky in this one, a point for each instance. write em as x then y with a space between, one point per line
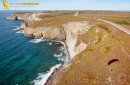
72 5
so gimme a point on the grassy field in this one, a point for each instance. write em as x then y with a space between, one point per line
106 43
91 67
52 17
56 21
122 18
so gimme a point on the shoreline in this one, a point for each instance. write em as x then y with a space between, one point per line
58 71
69 45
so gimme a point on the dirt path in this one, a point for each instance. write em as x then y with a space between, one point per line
76 14
116 25
121 28
123 49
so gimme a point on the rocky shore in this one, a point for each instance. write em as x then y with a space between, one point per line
67 32
95 49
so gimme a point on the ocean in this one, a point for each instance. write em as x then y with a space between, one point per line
26 60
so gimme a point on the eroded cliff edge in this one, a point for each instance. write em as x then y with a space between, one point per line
97 47
64 28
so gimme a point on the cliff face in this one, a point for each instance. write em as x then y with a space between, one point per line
49 33
29 16
68 32
102 60
66 28
100 52
71 30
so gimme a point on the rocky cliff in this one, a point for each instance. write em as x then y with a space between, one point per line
68 32
29 16
65 28
98 53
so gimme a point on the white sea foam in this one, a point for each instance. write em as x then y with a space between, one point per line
20 31
59 42
36 40
17 28
61 59
58 55
61 48
42 78
50 43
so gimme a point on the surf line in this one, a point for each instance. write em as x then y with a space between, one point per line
57 71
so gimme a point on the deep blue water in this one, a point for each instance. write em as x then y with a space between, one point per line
25 60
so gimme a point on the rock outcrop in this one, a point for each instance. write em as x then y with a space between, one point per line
71 30
98 49
24 25
28 16
68 32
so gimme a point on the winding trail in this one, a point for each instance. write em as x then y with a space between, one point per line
121 43
116 25
121 28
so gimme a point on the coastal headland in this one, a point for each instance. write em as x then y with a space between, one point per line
97 43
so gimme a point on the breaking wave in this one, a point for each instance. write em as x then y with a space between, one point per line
56 55
37 40
42 77
50 43
17 28
20 31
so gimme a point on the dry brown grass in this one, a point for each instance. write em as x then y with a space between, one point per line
23 12
56 21
122 18
90 67
50 14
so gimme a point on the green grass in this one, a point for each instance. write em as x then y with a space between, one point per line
106 28
123 22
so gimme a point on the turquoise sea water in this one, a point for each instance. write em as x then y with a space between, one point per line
25 60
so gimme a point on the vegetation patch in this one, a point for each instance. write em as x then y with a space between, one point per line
89 50
104 27
123 22
99 40
105 48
